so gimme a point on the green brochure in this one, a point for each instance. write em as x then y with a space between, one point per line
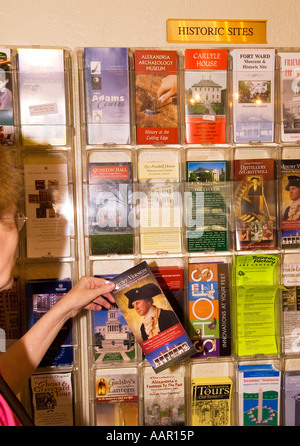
256 305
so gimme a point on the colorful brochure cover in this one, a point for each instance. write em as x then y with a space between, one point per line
255 204
156 96
110 205
106 76
290 102
7 131
164 397
291 307
52 399
170 279
151 318
259 395
256 305
290 203
209 309
206 212
42 96
211 401
205 96
253 95
41 295
113 339
292 398
160 216
48 210
116 394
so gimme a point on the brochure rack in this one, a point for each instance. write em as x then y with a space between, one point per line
198 186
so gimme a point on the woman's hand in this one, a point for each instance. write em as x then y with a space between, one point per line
90 293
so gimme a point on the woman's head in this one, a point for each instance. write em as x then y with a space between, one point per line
10 181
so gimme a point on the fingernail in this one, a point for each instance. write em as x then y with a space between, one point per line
108 282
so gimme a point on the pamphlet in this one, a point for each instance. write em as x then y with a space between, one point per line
209 309
107 95
113 339
164 397
116 393
205 95
211 401
42 96
289 73
259 395
156 97
7 131
257 317
110 205
290 203
255 204
52 399
253 95
206 208
292 398
41 295
49 216
160 204
291 307
151 318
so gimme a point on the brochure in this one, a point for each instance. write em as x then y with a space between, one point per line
151 318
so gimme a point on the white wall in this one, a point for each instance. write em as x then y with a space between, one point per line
79 23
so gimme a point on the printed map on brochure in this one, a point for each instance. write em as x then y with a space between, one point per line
253 95
42 96
107 95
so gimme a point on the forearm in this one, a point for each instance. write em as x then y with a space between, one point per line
23 357
19 362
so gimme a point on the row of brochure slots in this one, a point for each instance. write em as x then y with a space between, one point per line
148 201
258 393
233 310
149 96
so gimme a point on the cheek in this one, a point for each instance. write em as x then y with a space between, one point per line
8 244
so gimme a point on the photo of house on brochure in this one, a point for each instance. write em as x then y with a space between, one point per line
205 95
253 95
151 318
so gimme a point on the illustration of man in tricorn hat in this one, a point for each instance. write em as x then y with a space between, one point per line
156 319
292 212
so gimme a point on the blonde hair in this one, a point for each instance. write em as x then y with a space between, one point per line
10 180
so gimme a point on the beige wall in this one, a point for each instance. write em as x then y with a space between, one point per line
79 23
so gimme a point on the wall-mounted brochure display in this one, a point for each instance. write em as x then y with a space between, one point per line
186 177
